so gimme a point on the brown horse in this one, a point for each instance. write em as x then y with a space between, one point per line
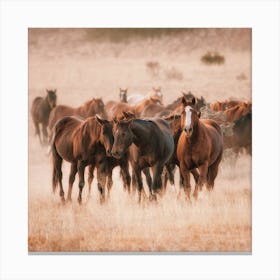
88 109
123 98
200 146
153 110
40 112
136 109
241 137
168 174
234 113
150 144
78 141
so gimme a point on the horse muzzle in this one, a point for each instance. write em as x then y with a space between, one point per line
116 154
188 131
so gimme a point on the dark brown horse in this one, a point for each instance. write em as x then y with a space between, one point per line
200 146
40 112
88 109
241 137
150 144
78 141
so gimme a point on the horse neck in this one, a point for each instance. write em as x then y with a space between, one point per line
197 132
139 107
46 102
141 133
92 130
83 109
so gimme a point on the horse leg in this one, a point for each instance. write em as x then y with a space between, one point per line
37 131
202 179
212 173
45 134
133 182
101 181
109 181
196 179
186 177
137 173
157 184
81 172
149 181
57 173
90 177
72 175
125 176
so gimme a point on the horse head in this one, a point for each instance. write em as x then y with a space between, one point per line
190 116
123 137
106 134
123 95
96 106
51 98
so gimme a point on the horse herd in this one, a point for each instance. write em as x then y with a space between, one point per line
140 132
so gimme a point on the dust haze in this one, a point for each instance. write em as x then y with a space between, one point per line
86 63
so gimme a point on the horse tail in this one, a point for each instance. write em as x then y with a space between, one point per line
57 163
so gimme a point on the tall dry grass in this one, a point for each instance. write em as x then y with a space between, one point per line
81 67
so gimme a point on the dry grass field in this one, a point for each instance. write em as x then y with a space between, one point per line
83 64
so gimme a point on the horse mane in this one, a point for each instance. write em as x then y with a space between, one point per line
85 135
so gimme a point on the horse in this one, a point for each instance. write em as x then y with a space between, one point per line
88 109
40 112
150 144
200 145
122 96
111 163
241 136
168 174
234 113
155 93
78 141
135 109
154 109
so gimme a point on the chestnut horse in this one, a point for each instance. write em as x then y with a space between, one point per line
150 144
168 174
40 112
123 98
88 109
78 141
200 146
135 109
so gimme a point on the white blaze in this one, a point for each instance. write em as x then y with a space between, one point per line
188 120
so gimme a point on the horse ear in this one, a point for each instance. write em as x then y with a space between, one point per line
184 102
183 93
193 101
125 89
